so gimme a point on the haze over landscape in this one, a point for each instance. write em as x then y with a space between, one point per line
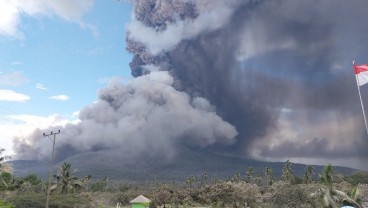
266 80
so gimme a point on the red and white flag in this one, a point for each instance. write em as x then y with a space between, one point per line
361 72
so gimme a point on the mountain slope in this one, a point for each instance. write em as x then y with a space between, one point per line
186 163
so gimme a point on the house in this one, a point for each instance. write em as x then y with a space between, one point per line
140 202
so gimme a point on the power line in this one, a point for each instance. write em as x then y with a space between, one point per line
53 140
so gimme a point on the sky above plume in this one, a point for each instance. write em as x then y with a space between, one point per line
54 56
270 80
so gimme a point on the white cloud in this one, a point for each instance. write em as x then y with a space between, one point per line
15 78
67 9
40 86
9 17
9 95
60 97
70 10
16 63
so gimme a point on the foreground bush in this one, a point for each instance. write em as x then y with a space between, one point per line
357 178
230 194
6 204
333 190
36 200
288 195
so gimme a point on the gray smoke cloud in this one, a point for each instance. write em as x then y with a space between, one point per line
270 79
145 116
279 71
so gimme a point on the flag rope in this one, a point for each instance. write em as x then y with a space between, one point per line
361 101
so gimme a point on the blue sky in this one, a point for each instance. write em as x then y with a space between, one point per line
54 59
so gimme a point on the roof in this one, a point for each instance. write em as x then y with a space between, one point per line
140 199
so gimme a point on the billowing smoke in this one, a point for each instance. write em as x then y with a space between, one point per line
279 71
145 116
269 79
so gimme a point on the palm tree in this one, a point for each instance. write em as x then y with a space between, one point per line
235 178
67 182
269 177
5 171
250 174
86 181
4 167
204 179
327 175
191 180
287 174
308 175
331 196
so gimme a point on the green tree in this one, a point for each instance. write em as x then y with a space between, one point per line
191 181
67 182
204 179
308 175
100 185
250 174
9 182
358 178
231 194
269 176
290 195
29 183
235 177
4 167
6 181
287 174
32 179
163 195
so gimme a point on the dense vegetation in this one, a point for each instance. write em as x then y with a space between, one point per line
248 189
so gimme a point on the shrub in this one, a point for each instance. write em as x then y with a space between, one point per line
36 200
99 186
6 180
4 204
32 179
291 196
234 194
357 178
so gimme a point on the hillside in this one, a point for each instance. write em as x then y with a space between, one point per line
144 168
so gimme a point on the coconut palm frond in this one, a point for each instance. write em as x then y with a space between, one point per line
66 180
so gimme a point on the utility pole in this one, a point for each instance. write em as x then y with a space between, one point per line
51 165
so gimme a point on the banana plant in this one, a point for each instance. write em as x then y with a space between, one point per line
333 198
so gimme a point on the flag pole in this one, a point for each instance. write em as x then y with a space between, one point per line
360 96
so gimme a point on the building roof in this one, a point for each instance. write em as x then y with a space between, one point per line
140 199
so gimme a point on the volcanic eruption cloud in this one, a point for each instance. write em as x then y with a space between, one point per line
260 79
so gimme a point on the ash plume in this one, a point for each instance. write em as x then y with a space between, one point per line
255 78
279 71
146 116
